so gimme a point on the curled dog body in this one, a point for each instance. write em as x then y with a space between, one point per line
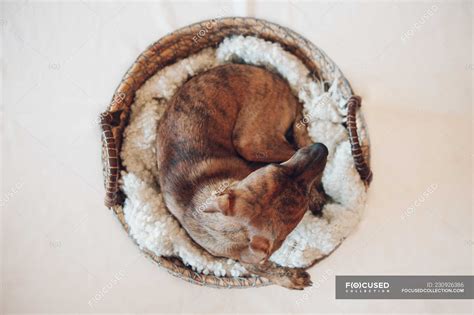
228 171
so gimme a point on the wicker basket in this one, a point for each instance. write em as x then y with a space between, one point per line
171 48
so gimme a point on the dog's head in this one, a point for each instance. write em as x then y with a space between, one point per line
250 219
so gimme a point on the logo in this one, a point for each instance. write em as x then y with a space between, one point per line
367 286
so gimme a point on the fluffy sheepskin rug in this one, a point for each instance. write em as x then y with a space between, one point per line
156 230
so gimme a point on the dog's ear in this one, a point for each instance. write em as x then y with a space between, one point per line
223 203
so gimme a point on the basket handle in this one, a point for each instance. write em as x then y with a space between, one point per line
361 165
110 157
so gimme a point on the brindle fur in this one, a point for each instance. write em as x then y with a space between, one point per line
215 140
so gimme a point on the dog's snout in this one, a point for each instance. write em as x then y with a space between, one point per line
308 156
318 151
307 162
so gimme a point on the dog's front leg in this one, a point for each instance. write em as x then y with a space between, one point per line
291 278
317 197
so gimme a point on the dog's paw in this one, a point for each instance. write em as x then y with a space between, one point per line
296 279
317 200
316 205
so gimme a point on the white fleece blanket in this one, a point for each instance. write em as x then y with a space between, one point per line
155 229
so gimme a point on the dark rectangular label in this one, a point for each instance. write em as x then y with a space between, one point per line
404 287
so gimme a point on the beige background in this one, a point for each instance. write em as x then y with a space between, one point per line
60 66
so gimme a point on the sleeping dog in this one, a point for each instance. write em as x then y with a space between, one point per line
237 169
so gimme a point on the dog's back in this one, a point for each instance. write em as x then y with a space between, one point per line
195 145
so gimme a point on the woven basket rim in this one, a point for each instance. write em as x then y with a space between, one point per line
115 119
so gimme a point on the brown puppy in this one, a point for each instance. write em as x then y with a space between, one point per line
213 140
